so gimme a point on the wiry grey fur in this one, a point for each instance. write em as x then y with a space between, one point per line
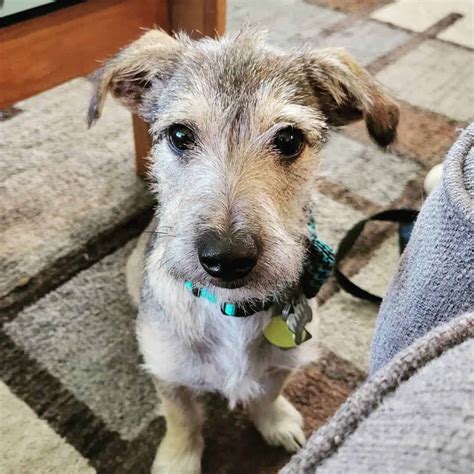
235 93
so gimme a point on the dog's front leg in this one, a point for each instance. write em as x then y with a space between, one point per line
278 421
181 449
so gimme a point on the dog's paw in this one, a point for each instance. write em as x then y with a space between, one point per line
174 457
280 424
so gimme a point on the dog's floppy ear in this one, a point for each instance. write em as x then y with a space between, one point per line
346 92
131 72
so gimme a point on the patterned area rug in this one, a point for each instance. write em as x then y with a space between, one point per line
73 398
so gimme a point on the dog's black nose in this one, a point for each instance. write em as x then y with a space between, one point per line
228 257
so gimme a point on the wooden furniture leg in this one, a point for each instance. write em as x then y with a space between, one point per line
142 144
198 18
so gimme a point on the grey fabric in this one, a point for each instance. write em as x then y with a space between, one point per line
435 279
468 170
426 426
414 415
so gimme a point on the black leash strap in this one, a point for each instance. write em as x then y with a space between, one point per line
402 216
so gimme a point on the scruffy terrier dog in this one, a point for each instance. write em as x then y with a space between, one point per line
236 126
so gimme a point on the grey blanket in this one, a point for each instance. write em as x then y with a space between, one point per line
413 416
435 279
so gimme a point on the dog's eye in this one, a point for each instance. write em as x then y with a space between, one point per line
289 142
181 137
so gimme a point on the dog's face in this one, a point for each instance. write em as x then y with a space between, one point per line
237 127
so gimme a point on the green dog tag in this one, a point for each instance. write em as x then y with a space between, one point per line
277 333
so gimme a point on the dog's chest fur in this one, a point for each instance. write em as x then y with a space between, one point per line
188 341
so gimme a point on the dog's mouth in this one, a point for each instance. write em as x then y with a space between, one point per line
209 281
228 285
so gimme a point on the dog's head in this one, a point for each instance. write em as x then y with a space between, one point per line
237 127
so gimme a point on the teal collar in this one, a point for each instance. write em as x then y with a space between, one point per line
237 310
316 270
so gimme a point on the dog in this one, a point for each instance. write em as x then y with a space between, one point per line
236 127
